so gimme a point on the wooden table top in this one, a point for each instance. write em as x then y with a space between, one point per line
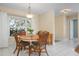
29 38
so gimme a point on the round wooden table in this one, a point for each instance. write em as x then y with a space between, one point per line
30 39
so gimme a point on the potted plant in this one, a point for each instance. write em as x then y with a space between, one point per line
30 30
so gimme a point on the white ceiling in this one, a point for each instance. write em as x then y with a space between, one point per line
43 7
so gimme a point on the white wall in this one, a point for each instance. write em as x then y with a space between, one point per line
4 30
60 27
35 23
47 22
78 26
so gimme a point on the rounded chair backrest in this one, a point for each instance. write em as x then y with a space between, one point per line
16 39
22 33
46 34
43 36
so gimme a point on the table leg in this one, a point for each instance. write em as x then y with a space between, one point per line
29 50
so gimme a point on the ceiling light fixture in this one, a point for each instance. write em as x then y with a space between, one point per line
65 11
29 14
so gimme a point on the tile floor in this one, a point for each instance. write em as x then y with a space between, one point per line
61 48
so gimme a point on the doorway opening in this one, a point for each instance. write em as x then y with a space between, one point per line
74 31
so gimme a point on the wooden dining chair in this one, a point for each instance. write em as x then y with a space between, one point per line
20 45
42 42
17 43
22 33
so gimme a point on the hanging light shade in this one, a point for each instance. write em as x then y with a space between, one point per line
29 14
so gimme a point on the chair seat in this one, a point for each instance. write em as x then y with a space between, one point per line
35 43
25 43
